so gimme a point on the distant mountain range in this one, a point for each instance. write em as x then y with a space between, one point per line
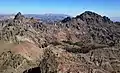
115 18
49 18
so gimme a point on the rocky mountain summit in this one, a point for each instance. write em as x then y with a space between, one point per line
87 43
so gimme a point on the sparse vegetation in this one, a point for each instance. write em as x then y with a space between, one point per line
76 43
55 43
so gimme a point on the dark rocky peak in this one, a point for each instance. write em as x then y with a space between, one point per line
66 19
118 23
19 16
89 16
106 19
90 13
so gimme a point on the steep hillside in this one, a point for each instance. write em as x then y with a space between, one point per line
100 28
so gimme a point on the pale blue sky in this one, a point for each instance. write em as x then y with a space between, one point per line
109 8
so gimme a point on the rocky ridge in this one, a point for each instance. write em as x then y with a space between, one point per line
87 43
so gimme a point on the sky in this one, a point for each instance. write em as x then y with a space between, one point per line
109 8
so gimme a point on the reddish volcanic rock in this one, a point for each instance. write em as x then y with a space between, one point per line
28 50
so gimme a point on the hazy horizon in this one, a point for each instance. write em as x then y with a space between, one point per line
108 8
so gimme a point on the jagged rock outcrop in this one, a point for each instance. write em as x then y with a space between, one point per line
57 60
66 19
19 16
13 63
17 30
